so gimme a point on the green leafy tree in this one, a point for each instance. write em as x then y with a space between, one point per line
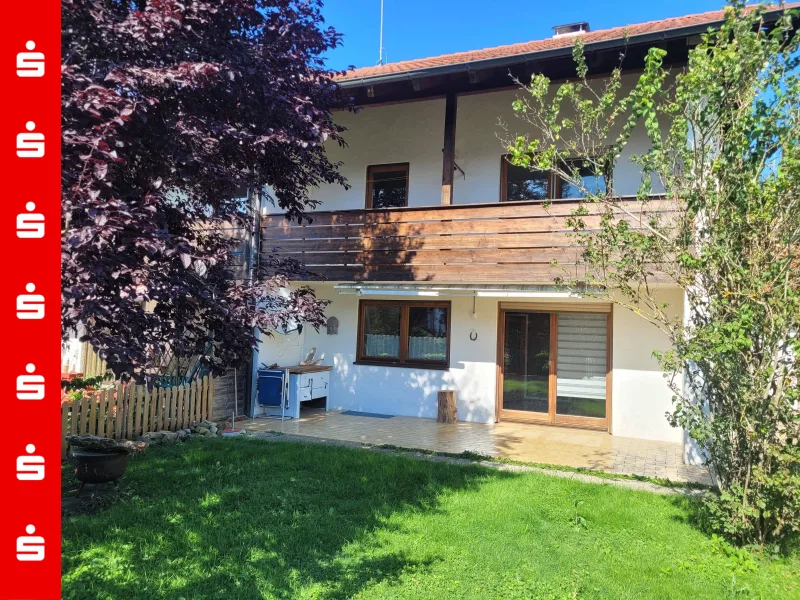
717 214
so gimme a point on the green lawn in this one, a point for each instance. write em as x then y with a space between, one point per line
246 518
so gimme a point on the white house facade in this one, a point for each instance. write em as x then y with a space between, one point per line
439 261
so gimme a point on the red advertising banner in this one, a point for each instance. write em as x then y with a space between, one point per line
30 468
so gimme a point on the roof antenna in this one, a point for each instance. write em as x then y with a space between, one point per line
381 58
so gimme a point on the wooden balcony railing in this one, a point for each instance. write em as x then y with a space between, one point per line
509 242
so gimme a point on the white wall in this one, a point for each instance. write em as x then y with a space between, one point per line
398 390
479 148
640 396
413 132
410 132
639 392
71 355
283 349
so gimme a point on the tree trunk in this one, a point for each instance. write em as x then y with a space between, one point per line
448 412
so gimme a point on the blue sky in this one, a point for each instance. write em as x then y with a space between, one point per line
420 28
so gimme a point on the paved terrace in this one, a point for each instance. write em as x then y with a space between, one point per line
522 442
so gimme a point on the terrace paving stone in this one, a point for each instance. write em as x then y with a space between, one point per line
541 444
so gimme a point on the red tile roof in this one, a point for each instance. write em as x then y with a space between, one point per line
602 35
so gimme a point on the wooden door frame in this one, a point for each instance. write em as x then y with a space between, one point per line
551 418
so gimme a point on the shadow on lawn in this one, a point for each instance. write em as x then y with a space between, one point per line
251 519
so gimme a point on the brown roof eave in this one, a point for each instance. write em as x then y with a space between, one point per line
474 65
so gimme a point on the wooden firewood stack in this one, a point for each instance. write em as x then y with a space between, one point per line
448 412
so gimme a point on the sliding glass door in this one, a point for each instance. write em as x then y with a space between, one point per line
554 367
526 363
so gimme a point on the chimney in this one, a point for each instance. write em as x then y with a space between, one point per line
571 29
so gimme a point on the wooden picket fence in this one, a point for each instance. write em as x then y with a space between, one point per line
91 364
127 411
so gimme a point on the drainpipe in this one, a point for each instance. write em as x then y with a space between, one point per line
251 375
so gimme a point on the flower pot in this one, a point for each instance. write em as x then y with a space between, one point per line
97 466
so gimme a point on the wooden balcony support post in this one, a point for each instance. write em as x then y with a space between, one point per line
449 152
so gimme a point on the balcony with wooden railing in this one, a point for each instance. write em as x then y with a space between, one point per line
510 242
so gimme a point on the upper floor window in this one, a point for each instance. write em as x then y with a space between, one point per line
387 185
521 183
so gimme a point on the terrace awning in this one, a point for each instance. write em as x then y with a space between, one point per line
477 290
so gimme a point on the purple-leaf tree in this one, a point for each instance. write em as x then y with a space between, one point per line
169 109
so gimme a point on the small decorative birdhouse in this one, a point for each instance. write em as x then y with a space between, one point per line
333 326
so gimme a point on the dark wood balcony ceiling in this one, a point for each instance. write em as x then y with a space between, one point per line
496 70
478 78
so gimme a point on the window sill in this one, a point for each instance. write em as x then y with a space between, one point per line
426 366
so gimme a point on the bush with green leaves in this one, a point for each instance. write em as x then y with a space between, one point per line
723 152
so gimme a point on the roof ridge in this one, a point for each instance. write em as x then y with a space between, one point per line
501 46
413 64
